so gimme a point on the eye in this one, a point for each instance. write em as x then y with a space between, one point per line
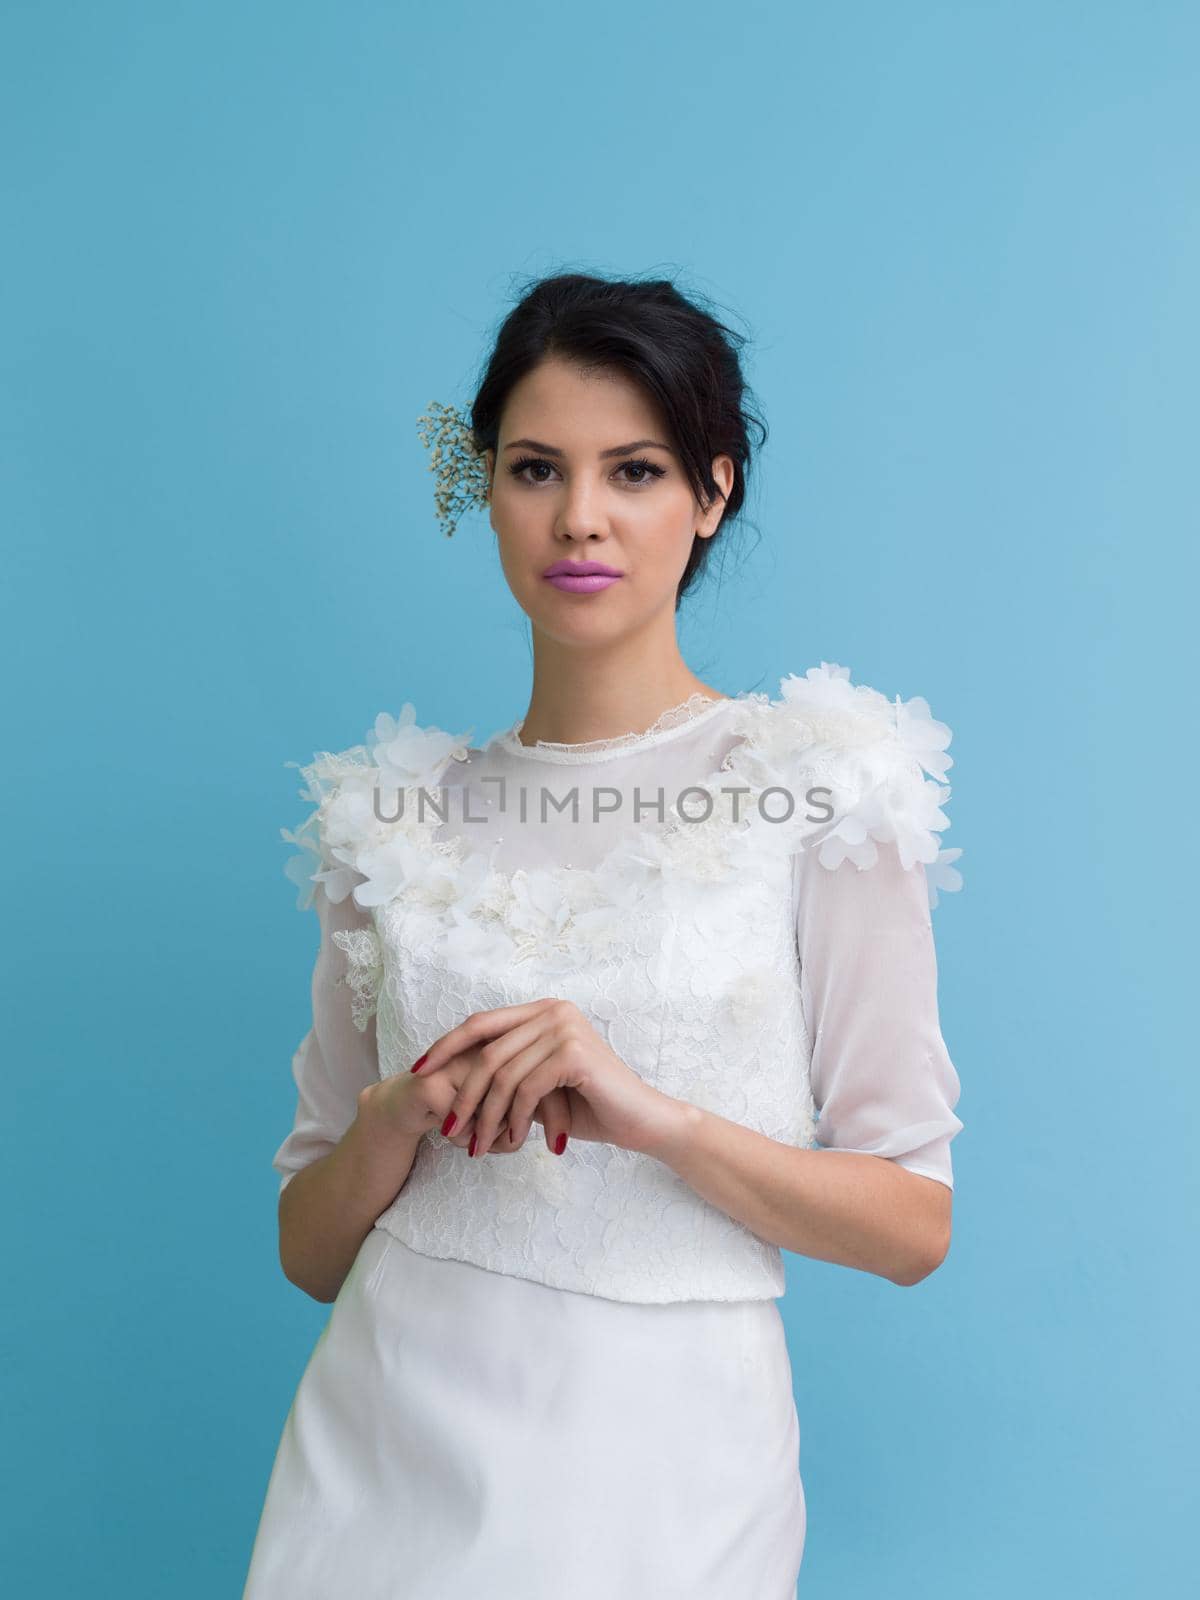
648 470
651 469
518 467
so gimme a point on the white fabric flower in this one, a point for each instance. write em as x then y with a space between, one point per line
537 906
325 777
303 868
921 735
426 875
349 790
472 948
406 753
802 740
826 733
845 744
902 808
942 876
348 819
826 685
698 851
603 919
832 708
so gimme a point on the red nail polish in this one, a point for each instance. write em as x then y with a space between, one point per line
560 1144
471 1146
448 1125
418 1064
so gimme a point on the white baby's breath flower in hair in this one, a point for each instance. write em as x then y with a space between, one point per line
460 472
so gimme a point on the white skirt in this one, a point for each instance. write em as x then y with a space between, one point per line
459 1432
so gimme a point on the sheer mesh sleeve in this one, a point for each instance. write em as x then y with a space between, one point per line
338 1055
882 1079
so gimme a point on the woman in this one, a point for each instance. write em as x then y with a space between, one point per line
577 1010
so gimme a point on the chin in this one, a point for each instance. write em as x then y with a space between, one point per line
566 616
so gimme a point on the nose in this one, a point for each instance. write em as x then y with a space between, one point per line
580 516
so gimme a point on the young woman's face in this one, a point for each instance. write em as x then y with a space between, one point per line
584 472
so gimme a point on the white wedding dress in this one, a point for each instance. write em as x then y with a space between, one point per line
567 1375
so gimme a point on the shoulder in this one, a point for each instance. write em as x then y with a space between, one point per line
877 765
351 795
825 708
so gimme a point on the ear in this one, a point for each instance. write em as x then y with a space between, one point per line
723 473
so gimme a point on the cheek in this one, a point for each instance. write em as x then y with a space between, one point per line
521 529
659 538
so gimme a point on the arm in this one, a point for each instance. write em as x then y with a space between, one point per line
854 1210
340 1167
877 1193
330 1207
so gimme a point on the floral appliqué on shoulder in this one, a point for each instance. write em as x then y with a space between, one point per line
880 763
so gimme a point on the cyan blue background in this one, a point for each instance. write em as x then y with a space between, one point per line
246 245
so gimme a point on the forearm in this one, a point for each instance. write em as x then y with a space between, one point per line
834 1205
329 1207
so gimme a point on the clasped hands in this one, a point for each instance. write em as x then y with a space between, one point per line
502 1070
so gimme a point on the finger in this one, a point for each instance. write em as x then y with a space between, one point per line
553 1111
460 1132
506 1142
530 1074
473 1084
478 1028
455 1126
493 1057
437 1095
502 1145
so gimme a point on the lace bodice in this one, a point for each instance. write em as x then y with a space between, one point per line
738 898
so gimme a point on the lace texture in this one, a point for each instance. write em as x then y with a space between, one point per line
679 947
703 1003
677 716
364 971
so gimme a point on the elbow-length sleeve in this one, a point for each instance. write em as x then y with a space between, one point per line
338 1056
882 1079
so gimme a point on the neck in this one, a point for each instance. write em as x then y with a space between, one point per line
581 693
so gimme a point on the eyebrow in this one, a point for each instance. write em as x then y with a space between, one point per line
617 450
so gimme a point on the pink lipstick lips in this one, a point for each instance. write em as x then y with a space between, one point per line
580 577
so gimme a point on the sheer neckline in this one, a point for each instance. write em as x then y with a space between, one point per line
669 724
